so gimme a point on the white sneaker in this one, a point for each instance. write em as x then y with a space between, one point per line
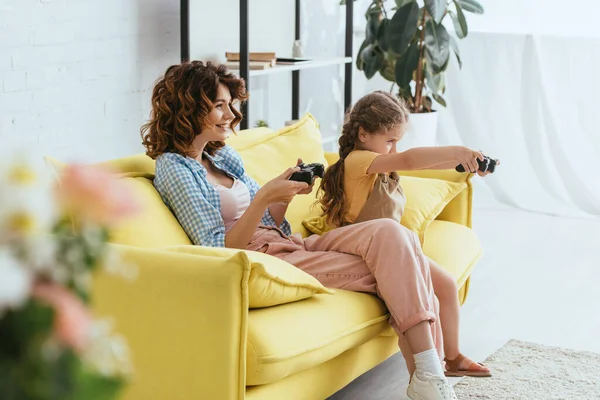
431 388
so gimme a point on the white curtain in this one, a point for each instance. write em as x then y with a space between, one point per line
532 101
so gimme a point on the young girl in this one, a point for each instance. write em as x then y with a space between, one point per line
363 185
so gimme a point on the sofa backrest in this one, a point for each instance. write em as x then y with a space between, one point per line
266 154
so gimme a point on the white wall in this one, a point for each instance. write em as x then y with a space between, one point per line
76 75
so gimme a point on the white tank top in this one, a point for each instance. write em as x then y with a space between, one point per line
234 202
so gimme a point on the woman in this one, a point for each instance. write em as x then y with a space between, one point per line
204 183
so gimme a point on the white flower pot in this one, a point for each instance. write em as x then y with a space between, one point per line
422 131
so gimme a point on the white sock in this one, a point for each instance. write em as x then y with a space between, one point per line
428 361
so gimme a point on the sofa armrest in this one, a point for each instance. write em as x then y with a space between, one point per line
459 209
185 320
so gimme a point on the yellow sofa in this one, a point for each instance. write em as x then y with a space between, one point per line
187 316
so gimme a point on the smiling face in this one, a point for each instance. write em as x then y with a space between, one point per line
217 125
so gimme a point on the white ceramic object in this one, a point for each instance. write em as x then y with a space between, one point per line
422 131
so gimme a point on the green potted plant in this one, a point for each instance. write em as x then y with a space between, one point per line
409 46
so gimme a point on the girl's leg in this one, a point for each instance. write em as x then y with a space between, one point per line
407 353
446 291
393 255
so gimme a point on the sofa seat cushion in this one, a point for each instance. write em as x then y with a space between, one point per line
453 246
297 336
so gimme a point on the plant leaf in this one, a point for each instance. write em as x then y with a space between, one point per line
460 22
454 46
427 103
373 60
403 27
402 3
437 46
372 27
360 63
439 99
471 6
436 8
387 72
435 82
406 65
382 38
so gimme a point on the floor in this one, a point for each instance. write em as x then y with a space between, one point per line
539 281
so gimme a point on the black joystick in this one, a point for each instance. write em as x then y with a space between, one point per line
308 172
488 164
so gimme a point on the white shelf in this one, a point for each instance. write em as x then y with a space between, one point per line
296 67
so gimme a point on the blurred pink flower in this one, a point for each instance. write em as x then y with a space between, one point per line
72 320
95 194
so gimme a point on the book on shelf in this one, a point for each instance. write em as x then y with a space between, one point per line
292 60
253 65
266 56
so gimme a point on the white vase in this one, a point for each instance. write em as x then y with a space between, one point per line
421 132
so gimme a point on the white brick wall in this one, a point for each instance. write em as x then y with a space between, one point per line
76 75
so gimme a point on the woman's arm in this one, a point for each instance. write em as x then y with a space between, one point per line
241 233
278 190
278 211
425 158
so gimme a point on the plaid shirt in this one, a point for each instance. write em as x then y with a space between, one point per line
182 184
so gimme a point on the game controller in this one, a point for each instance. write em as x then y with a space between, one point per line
488 164
308 172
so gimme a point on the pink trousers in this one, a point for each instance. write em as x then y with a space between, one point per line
379 256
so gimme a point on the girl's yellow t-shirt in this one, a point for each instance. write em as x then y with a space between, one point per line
358 184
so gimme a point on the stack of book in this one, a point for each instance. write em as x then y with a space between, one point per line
257 60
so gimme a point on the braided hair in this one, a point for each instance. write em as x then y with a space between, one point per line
375 112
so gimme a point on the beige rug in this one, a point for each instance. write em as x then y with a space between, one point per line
528 371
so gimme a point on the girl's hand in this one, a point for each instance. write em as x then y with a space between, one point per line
310 187
487 172
280 189
468 158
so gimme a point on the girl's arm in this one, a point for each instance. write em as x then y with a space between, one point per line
442 157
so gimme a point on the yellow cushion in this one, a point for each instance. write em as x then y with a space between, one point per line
268 154
425 200
154 225
455 247
249 137
272 281
136 164
294 337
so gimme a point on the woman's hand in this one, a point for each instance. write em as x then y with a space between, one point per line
468 158
281 189
310 187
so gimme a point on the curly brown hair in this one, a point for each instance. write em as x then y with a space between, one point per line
374 112
181 102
